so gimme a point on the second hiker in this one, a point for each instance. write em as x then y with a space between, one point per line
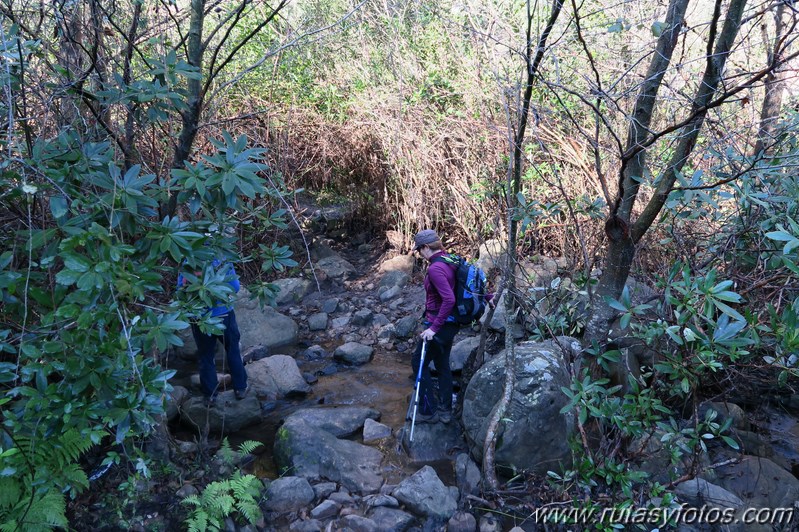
440 330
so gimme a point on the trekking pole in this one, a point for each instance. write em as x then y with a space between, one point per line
415 402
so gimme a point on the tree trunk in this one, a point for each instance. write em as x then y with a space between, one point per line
191 116
621 248
512 190
774 83
623 234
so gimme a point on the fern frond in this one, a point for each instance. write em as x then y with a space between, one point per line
71 446
191 500
46 512
226 453
250 510
198 522
223 505
75 476
10 492
248 446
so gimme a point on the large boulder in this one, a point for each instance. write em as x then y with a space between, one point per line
308 451
490 255
336 268
431 442
759 482
276 377
263 325
266 328
291 290
288 494
353 353
341 421
227 415
424 494
534 434
400 263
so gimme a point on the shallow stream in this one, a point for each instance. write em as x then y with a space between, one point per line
384 384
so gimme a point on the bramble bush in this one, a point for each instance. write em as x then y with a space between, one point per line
86 279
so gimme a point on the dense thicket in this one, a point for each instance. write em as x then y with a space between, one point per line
139 136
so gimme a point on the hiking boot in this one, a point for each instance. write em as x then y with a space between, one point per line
445 416
241 394
427 419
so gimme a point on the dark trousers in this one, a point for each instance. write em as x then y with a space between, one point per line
438 350
206 352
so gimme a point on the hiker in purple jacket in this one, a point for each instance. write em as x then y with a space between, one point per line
440 330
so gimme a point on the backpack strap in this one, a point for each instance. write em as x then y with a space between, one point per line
451 259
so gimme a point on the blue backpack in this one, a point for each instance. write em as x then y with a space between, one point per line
470 289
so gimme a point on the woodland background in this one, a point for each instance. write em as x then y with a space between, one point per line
651 138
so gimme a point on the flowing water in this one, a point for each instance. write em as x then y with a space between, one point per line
384 384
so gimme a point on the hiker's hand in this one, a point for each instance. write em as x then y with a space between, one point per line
427 334
492 304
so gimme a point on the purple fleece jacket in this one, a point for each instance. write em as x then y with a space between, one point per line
439 283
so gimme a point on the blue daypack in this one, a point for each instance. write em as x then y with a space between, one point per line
470 289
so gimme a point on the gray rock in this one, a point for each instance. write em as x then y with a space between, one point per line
424 494
362 317
725 411
291 290
325 510
388 293
468 475
432 442
460 352
340 421
174 400
490 523
356 523
329 306
315 352
759 482
186 490
381 499
276 377
227 415
323 490
263 326
341 322
310 452
310 525
490 255
387 332
380 320
353 353
394 278
497 322
336 268
288 494
400 263
406 326
535 434
342 497
462 522
254 352
374 431
318 321
330 369
698 492
391 519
